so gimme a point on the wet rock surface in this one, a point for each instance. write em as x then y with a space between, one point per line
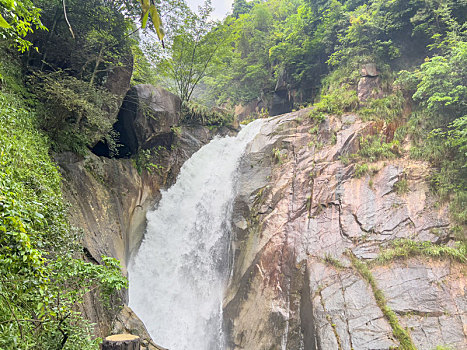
109 199
127 322
299 214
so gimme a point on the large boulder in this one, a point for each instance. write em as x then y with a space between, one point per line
119 78
147 118
369 87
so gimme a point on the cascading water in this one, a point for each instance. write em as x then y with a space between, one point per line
178 276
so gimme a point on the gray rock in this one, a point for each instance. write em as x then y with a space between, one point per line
369 87
429 299
127 322
293 282
146 119
118 79
369 70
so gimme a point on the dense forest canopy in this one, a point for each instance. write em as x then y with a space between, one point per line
57 65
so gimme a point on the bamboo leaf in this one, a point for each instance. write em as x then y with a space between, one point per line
144 20
156 20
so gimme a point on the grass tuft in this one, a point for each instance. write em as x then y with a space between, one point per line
406 248
399 332
330 260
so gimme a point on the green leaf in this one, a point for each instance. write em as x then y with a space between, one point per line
3 23
156 20
145 14
144 19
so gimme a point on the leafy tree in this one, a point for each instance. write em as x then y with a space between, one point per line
100 40
17 20
438 127
191 51
240 7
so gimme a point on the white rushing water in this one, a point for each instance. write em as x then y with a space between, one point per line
178 276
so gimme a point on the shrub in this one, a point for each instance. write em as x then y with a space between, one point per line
76 115
374 148
145 159
387 108
42 278
361 169
401 186
337 102
406 248
197 113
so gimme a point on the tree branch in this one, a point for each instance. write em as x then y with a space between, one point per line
67 21
14 316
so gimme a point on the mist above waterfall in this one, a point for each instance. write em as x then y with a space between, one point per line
178 276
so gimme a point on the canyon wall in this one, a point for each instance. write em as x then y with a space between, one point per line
308 229
109 197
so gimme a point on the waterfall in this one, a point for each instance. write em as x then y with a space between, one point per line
178 276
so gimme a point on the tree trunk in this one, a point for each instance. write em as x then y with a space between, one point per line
96 66
121 342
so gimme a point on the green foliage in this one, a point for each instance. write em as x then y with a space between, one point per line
76 115
388 108
240 7
339 92
374 148
401 186
17 20
210 116
100 43
40 281
42 278
330 260
361 169
406 248
295 44
438 127
337 102
145 159
143 73
442 89
458 207
190 52
245 68
401 334
263 113
314 130
277 155
150 10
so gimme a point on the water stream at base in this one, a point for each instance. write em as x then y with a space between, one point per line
178 276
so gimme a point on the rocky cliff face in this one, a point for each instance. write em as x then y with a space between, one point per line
305 223
109 197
